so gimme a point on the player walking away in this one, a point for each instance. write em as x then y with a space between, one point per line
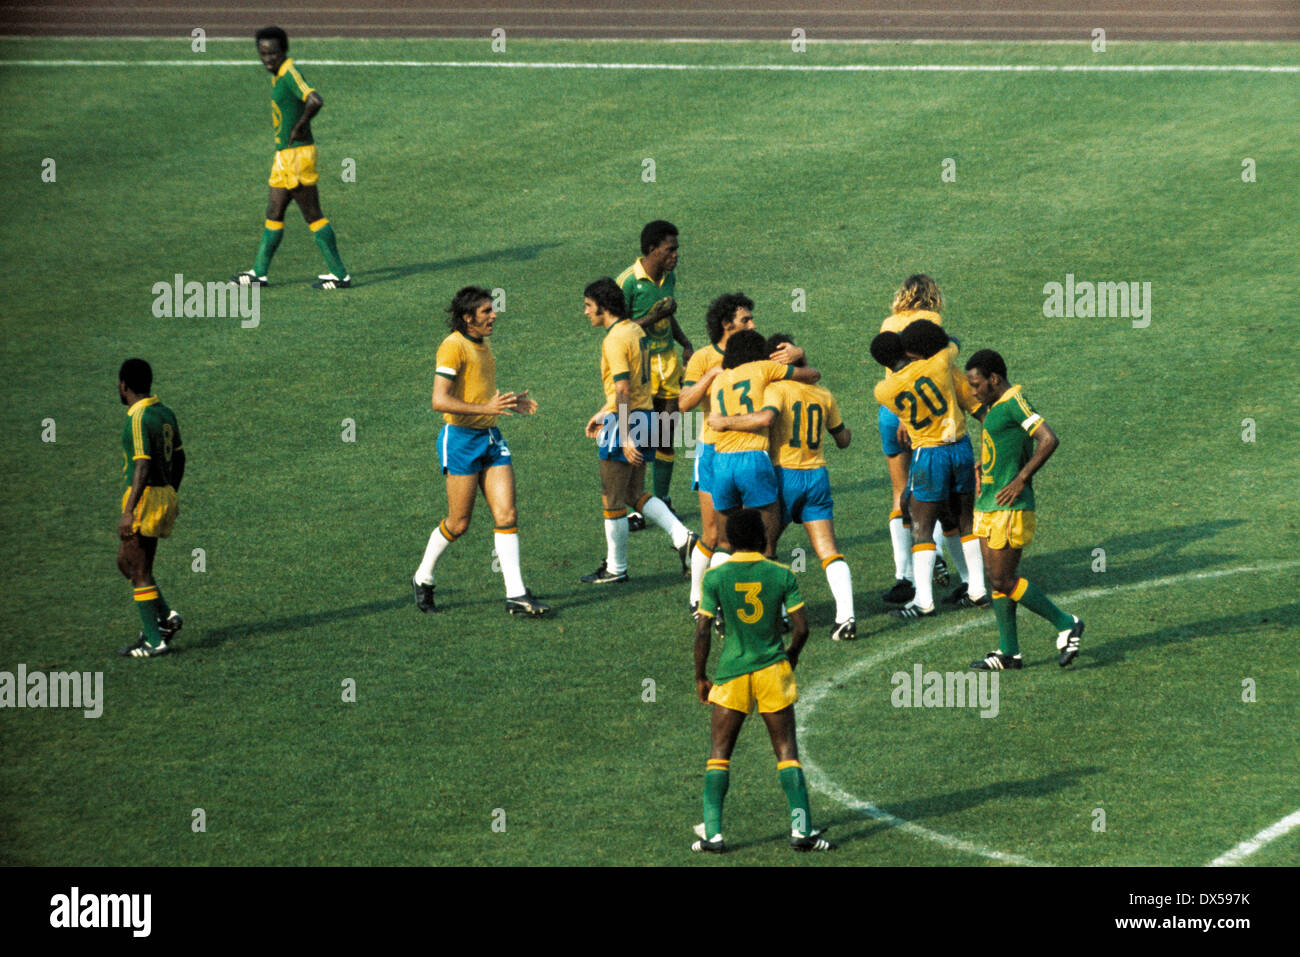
798 415
650 287
154 467
1015 444
293 172
742 473
929 400
473 454
754 668
625 431
918 298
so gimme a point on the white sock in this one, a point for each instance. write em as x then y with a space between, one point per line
656 511
699 565
900 536
438 543
616 545
923 565
952 544
508 555
970 547
937 535
718 558
841 582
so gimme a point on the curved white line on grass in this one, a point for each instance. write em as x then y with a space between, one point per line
1247 848
716 67
808 701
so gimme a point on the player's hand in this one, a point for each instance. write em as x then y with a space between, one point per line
503 403
702 688
632 454
126 527
594 425
793 658
904 439
788 354
662 309
525 405
1011 492
716 422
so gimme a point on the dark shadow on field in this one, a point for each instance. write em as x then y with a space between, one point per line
583 594
216 637
963 800
512 254
1116 649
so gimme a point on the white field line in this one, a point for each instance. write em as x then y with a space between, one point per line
808 701
703 67
1247 848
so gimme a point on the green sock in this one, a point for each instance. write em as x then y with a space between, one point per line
1004 610
329 248
716 780
271 237
146 602
160 605
663 477
1037 602
796 796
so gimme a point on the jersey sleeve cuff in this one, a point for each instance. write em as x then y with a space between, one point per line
790 608
622 376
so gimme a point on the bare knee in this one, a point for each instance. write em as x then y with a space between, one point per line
457 525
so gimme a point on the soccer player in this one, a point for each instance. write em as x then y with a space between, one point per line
754 668
797 415
473 454
918 298
650 287
293 172
742 473
154 467
626 430
1014 445
929 400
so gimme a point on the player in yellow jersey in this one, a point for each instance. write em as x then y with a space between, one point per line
471 449
930 398
627 430
798 415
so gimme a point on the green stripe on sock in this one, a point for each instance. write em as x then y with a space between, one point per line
716 782
1036 601
330 250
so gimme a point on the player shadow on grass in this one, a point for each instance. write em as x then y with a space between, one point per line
512 254
937 805
215 637
1117 649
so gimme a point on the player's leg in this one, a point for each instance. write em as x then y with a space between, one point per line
963 503
614 478
1019 530
705 547
135 560
1001 563
821 534
308 200
498 485
897 459
666 416
651 506
272 234
781 729
924 516
724 728
461 491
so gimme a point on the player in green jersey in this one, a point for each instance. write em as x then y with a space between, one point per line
754 668
1014 445
650 287
154 467
293 172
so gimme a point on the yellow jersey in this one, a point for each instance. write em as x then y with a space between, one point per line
803 413
740 391
901 320
929 396
702 360
624 356
467 362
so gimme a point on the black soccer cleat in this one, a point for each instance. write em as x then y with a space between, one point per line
960 598
635 522
142 649
527 604
602 576
248 278
940 576
812 842
330 281
170 625
902 592
1067 642
845 631
684 553
997 661
423 597
911 612
705 845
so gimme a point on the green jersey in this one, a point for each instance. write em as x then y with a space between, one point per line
1005 446
150 433
750 590
288 94
642 292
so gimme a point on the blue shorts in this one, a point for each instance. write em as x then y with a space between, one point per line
465 451
939 471
703 480
742 478
805 495
639 424
888 423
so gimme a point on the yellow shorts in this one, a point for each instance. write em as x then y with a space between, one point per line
771 688
665 374
294 167
1006 528
156 512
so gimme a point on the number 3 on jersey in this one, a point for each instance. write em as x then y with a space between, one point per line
750 591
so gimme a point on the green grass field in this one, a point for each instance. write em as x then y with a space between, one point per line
531 181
